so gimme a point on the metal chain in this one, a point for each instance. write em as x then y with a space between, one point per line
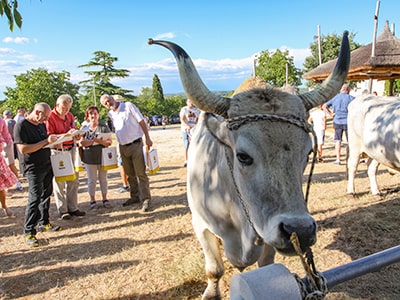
318 284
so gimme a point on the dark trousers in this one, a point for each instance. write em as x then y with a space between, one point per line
39 192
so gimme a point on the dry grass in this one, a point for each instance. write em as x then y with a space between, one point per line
123 253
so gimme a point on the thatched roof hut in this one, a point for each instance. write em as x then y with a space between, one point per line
250 83
385 65
258 82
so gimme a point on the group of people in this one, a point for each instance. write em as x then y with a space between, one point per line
337 108
43 126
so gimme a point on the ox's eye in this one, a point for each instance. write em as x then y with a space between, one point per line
244 158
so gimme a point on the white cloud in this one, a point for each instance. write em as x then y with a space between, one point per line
166 35
16 40
299 55
7 52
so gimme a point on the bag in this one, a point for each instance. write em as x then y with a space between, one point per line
78 164
151 160
62 166
109 158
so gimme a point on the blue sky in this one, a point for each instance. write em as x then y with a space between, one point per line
220 36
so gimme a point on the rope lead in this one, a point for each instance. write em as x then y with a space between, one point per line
318 287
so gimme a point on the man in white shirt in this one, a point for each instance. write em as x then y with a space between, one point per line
130 126
189 116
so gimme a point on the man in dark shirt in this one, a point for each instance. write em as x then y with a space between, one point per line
30 136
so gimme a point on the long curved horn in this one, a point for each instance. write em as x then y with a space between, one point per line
331 86
194 87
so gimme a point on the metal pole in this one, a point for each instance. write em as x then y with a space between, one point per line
287 74
362 266
319 45
94 92
255 64
375 28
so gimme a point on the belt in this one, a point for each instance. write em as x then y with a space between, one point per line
134 142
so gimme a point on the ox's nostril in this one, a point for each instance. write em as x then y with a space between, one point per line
305 232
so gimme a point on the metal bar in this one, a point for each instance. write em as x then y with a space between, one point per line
362 266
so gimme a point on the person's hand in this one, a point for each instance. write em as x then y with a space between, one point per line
52 138
149 143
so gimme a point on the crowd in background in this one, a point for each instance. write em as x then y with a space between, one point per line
35 137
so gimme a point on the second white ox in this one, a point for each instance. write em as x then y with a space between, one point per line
245 169
374 129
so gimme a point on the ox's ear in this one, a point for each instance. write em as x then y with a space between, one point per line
216 125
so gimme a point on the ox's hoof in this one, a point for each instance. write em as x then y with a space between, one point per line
351 195
378 196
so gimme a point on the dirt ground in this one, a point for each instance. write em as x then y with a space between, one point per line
123 253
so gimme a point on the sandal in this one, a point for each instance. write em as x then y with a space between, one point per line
107 204
9 213
93 205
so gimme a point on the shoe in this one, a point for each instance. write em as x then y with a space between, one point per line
185 164
337 162
65 216
130 202
77 213
93 205
19 187
9 213
107 204
49 227
145 206
320 160
123 189
31 241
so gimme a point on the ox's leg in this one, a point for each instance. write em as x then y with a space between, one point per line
267 257
372 170
214 263
352 164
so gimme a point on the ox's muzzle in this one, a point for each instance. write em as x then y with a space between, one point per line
306 230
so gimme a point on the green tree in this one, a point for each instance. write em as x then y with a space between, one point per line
396 87
157 89
146 102
157 94
40 85
173 105
272 68
10 9
330 47
99 81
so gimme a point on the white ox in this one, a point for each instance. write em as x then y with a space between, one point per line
245 169
374 129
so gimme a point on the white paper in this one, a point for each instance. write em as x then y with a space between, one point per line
65 138
103 135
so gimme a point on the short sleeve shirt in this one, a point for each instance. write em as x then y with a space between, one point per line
190 115
126 122
340 104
